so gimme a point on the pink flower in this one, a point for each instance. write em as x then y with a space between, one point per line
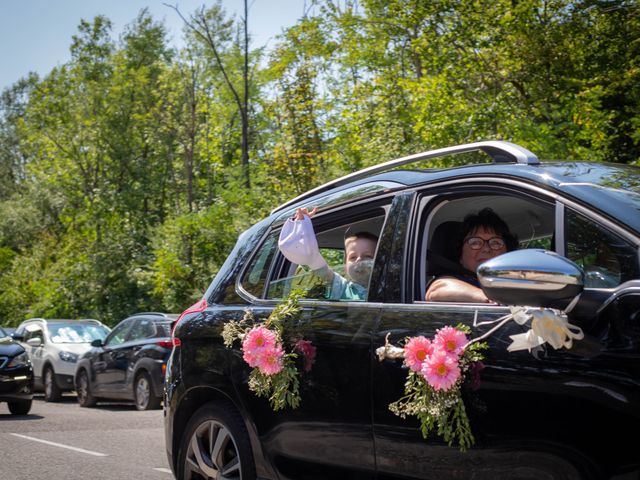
451 340
258 337
416 351
308 351
270 360
441 370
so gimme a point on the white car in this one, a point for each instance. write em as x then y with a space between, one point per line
54 347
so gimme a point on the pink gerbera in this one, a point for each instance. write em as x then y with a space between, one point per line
451 340
270 360
441 370
416 351
257 338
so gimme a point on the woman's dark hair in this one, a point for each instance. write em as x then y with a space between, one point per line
488 219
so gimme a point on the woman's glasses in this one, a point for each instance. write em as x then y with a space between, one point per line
476 243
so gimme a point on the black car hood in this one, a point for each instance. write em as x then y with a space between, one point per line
10 347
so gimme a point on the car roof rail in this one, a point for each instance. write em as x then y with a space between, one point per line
499 150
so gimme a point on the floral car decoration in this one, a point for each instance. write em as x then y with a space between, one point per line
439 367
272 355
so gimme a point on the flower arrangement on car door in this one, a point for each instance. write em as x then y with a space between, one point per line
437 369
273 356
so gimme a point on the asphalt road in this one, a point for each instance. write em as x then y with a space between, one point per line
63 441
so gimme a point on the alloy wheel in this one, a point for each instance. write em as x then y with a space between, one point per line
212 454
48 383
143 392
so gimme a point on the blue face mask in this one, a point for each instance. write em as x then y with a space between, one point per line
359 272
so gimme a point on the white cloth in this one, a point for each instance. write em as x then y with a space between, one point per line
298 243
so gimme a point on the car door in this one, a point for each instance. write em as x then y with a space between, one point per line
109 364
142 333
531 415
329 435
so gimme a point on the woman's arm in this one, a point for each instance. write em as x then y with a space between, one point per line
449 289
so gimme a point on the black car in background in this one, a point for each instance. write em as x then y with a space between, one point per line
129 364
564 414
16 375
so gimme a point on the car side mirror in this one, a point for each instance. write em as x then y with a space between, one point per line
531 277
34 342
97 343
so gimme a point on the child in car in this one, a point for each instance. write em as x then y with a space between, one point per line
298 244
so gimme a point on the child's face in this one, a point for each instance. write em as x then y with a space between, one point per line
357 251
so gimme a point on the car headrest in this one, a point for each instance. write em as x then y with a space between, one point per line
442 251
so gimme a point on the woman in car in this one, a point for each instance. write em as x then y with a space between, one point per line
484 235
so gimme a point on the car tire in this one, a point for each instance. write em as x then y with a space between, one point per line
20 407
216 426
52 392
83 388
143 392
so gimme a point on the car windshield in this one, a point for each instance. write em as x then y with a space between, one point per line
76 332
3 333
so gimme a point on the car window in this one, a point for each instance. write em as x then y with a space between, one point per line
119 333
340 285
76 332
607 259
253 281
143 328
530 219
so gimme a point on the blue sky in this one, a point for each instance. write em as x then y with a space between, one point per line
35 35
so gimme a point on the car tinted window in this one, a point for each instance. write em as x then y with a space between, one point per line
607 259
119 333
143 328
255 276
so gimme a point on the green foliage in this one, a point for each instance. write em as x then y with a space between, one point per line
122 172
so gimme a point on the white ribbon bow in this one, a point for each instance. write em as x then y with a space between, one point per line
547 326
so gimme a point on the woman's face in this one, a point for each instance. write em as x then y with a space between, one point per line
470 258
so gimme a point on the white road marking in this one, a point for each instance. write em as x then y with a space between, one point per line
81 450
163 470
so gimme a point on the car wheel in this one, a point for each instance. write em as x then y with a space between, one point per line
215 445
52 392
85 398
20 408
143 393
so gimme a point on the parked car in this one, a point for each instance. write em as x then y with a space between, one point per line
130 364
9 330
16 375
54 346
566 413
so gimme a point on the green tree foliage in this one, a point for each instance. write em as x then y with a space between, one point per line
127 173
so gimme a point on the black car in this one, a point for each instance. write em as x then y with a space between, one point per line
129 365
16 375
545 413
